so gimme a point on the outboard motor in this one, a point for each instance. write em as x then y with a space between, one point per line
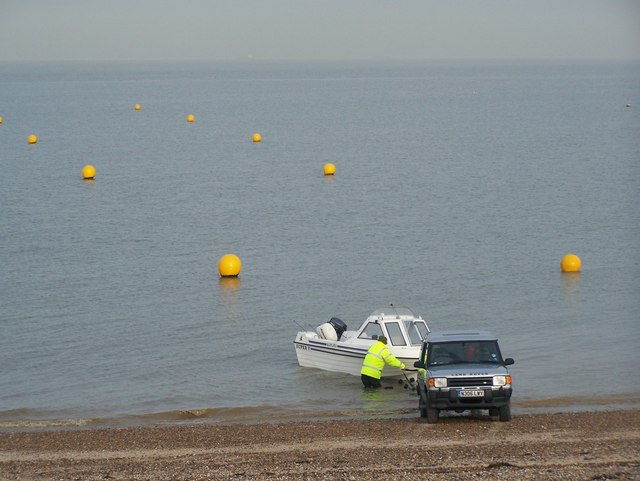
327 331
339 325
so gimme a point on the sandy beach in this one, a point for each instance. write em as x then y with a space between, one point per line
568 446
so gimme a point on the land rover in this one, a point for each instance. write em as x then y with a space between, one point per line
461 370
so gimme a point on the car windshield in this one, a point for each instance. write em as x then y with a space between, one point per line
460 352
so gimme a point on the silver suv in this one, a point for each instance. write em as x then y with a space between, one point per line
460 370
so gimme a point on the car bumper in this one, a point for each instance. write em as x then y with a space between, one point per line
450 399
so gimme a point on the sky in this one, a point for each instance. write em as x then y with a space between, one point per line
319 29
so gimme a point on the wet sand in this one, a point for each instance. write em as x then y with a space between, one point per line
567 446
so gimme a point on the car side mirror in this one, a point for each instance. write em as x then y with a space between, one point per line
508 361
419 364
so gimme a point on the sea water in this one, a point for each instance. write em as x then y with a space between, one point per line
459 187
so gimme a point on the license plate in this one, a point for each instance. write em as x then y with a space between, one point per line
470 393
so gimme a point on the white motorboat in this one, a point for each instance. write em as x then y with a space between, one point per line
333 347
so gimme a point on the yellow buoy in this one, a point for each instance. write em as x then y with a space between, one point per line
229 265
570 263
137 107
257 137
190 118
0 120
88 172
329 169
32 139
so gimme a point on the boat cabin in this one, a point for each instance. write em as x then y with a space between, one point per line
401 327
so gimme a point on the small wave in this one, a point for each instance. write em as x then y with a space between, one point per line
25 418
28 419
20 419
53 423
239 414
579 403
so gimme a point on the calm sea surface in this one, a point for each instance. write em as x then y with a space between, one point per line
459 187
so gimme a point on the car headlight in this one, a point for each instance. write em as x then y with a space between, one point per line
437 382
501 380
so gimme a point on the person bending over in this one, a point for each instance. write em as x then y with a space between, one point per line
374 362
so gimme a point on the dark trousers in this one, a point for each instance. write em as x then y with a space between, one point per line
369 381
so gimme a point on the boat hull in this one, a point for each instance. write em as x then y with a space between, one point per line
336 356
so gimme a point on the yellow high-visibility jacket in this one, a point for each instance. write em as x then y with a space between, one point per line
375 359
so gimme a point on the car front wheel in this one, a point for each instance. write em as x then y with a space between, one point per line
505 412
432 415
422 408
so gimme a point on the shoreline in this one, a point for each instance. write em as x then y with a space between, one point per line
19 420
574 445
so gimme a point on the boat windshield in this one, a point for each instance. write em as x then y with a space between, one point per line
417 331
371 331
397 339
